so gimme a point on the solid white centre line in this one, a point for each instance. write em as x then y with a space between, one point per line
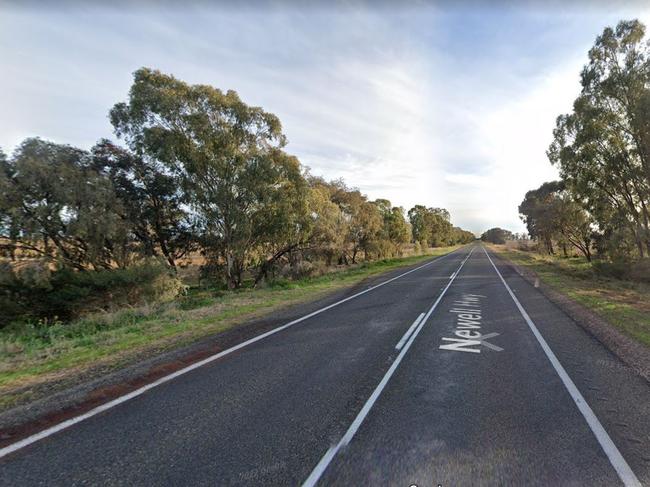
77 419
401 343
349 434
622 468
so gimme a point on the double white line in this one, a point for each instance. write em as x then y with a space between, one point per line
349 434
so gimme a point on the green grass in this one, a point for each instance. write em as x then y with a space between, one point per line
624 304
42 352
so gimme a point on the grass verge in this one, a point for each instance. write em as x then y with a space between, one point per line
624 304
43 352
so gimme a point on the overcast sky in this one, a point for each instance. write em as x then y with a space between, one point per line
442 105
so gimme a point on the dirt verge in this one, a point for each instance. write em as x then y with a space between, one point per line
50 403
629 351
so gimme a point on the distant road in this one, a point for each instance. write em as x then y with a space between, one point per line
456 373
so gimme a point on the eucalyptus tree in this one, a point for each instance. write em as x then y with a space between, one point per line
55 205
497 235
364 222
395 231
551 213
430 226
602 147
228 158
539 212
152 202
330 226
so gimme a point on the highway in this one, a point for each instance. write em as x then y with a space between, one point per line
456 372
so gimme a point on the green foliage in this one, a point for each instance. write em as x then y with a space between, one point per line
202 171
227 155
497 235
602 148
151 201
54 205
30 289
431 227
551 214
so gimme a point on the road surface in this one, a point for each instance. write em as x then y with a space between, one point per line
458 372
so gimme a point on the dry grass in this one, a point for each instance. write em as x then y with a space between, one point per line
41 353
624 304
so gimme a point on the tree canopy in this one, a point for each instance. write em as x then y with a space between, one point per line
196 170
602 148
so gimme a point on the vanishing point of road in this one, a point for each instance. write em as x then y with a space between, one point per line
455 372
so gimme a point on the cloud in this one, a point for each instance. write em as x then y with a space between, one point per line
447 107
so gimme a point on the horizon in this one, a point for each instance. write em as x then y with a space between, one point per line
443 106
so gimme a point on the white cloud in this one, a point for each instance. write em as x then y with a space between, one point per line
416 106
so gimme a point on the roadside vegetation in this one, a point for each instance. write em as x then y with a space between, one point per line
195 220
623 303
589 232
41 351
600 208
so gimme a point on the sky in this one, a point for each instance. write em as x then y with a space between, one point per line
436 103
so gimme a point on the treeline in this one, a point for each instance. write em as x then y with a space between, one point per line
497 236
198 171
601 205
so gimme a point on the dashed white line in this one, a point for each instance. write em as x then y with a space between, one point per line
622 468
401 343
324 462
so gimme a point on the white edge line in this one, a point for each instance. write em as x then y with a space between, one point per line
622 468
78 419
324 462
402 341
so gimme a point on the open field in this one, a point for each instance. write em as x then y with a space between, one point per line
42 352
624 304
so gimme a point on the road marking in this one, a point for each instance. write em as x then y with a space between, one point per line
361 416
468 323
401 343
115 402
490 345
452 275
622 468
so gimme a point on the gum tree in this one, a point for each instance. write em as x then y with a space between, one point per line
228 158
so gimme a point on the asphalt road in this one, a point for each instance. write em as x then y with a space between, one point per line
518 395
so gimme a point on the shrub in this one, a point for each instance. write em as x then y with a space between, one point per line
634 270
31 290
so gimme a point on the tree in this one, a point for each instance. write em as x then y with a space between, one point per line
363 219
460 236
228 157
53 204
395 229
497 235
538 211
575 225
329 225
151 200
550 213
430 226
602 147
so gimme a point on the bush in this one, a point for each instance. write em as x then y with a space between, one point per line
31 290
633 270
